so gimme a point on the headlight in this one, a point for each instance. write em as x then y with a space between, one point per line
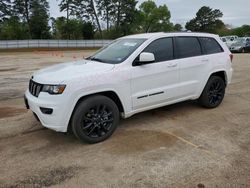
54 89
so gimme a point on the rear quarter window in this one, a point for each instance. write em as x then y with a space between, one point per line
210 45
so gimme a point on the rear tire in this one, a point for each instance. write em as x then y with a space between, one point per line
95 119
213 92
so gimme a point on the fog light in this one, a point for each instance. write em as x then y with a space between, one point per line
46 110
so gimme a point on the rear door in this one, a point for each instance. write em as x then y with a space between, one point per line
157 82
198 56
192 64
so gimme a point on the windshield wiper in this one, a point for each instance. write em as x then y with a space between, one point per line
95 59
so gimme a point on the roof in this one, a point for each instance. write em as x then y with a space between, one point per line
168 34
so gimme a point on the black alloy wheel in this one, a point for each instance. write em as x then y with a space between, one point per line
216 92
95 119
213 93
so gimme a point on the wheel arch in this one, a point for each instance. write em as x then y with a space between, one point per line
110 94
222 74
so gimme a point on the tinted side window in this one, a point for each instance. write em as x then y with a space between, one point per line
188 47
162 49
210 45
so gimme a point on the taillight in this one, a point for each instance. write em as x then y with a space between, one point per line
231 57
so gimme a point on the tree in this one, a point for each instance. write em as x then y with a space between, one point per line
206 20
39 18
5 9
13 29
162 19
22 8
105 9
92 10
88 30
86 9
59 28
178 27
78 29
148 12
70 7
155 18
35 14
242 31
83 10
125 16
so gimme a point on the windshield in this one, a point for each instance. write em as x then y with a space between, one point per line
117 51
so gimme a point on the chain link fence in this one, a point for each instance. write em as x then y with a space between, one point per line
13 44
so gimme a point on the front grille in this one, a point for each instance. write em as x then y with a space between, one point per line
35 88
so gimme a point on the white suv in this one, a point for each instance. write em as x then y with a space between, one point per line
133 74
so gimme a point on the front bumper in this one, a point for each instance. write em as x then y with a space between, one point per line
58 120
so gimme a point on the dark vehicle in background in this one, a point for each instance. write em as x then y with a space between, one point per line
242 45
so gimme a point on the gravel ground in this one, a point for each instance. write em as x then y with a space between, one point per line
181 145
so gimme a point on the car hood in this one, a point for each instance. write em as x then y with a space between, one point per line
66 71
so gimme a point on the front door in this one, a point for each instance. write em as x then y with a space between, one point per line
157 82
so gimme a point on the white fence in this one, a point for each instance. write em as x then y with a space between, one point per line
11 44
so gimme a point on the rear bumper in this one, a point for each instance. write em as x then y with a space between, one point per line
58 120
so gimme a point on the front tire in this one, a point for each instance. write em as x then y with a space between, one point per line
213 92
95 119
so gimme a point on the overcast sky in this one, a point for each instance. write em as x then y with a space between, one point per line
236 12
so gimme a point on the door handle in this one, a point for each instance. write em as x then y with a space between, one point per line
204 60
172 65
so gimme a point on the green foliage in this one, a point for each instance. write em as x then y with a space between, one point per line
21 8
87 30
69 6
126 17
88 19
118 14
13 29
223 31
39 28
155 18
178 27
243 31
206 20
61 28
4 9
33 13
105 9
77 29
86 9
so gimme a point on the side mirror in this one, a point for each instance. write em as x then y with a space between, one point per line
145 58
